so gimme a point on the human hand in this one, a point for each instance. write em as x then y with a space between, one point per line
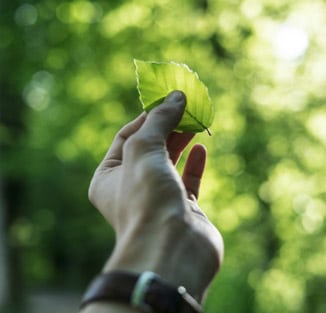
158 223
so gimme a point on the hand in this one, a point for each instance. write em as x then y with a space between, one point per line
158 223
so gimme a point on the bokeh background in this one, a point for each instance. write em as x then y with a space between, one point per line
67 84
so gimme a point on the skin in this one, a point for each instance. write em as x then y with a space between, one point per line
159 225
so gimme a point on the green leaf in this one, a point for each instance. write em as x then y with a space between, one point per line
155 80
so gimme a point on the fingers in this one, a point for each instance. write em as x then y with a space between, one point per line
194 169
176 143
114 154
162 120
158 124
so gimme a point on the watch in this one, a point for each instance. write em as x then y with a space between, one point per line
146 291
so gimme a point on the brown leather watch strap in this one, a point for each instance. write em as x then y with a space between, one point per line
146 291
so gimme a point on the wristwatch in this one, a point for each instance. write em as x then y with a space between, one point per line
146 291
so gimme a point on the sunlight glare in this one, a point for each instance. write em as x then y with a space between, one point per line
291 42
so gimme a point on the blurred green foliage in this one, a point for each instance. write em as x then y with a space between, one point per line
67 85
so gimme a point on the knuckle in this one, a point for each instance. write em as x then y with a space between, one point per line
170 186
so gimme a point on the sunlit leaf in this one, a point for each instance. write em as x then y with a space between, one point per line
157 79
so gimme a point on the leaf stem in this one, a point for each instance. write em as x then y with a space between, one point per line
208 132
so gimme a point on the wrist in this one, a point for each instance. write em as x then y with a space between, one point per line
146 292
112 307
171 259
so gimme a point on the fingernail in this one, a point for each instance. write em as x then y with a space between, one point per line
176 96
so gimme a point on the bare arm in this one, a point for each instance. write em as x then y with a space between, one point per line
158 223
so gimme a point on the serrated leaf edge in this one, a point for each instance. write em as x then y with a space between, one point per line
177 64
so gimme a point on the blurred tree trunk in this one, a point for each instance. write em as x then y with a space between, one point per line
14 68
11 187
4 284
11 193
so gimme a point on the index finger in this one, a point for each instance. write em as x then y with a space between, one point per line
114 155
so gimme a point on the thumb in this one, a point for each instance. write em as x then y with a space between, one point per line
162 120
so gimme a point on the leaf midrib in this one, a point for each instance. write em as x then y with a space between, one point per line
198 121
